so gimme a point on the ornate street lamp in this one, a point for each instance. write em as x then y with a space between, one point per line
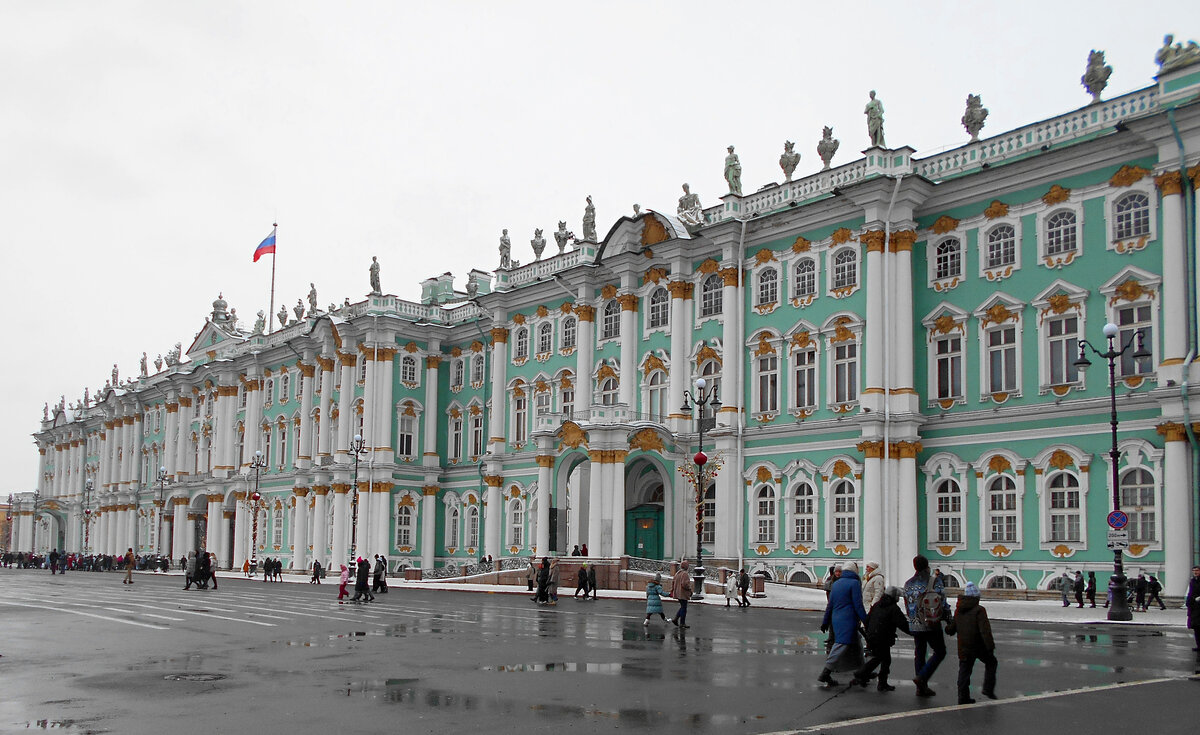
88 485
357 448
257 464
158 503
700 398
1119 609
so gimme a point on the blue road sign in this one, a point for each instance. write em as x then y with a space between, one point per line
1118 520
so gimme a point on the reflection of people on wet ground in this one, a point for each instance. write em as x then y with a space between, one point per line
543 582
681 590
654 606
581 584
975 642
731 588
1192 601
343 580
883 621
843 613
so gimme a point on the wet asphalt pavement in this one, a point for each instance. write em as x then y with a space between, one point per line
83 653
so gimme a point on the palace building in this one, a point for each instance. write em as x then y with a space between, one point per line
893 342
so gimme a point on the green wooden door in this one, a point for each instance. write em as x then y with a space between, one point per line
644 532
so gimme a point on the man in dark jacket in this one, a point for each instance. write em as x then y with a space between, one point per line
1090 591
744 587
1192 601
883 621
975 642
1153 587
1078 587
1140 588
926 605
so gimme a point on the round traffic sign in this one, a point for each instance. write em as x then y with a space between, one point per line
1117 519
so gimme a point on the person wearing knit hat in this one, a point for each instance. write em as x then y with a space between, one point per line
843 613
872 585
883 622
975 643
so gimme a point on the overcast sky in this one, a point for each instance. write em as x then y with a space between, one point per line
146 147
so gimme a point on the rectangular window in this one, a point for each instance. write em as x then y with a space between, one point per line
949 367
845 373
1063 347
766 530
949 530
404 443
843 529
477 435
1131 320
708 533
520 419
1064 515
768 384
456 438
805 393
568 402
1002 360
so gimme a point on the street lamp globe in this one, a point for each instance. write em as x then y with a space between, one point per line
357 438
700 383
1111 330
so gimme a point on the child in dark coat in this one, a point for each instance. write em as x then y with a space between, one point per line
975 642
883 621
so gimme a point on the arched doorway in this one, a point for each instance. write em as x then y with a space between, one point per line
571 498
644 510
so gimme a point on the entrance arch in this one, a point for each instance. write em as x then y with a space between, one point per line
645 509
571 496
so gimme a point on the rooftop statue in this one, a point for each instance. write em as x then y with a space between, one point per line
974 117
874 113
158 363
690 212
282 316
789 160
1095 78
539 244
472 289
142 364
1172 57
505 250
733 172
299 309
827 146
562 237
45 412
260 324
589 221
637 209
375 289
312 298
87 398
116 375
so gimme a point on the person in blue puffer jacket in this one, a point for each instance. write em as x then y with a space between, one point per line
844 613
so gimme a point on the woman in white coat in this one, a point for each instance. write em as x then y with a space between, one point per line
872 585
731 588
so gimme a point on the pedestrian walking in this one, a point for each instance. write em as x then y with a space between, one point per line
203 568
975 643
552 587
1065 584
377 583
543 582
53 561
883 621
530 574
1140 587
362 581
343 580
189 571
1078 586
744 587
316 572
583 550
831 576
681 590
128 567
843 614
872 585
1153 588
925 601
731 588
654 593
1091 588
592 586
575 551
1192 602
212 568
581 583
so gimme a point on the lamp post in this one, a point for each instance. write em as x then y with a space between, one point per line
158 503
88 485
37 494
700 398
8 518
1119 609
357 448
257 464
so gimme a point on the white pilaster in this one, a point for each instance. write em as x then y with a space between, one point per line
1177 513
628 387
429 527
300 529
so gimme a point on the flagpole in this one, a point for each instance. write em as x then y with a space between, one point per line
271 313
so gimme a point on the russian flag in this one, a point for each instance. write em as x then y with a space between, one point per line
266 246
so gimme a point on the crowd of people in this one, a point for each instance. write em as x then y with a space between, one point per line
62 563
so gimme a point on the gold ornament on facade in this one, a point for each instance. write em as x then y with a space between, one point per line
1056 195
565 380
606 371
1130 290
764 475
841 333
654 275
542 311
571 436
518 391
628 301
1169 182
518 318
706 353
653 231
1172 431
841 550
908 449
764 256
999 314
800 549
841 469
841 235
902 241
456 352
870 449
409 409
499 335
653 363
411 347
680 289
946 323
545 460
729 276
1128 175
764 346
647 440
608 291
1194 175
585 313
801 245
944 224
999 463
1000 551
1060 460
945 550
996 209
344 359
708 265
514 492
540 386
873 240
1062 551
474 409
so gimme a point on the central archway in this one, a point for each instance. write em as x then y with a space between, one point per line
645 509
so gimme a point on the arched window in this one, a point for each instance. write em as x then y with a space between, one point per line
516 524
408 369
569 329
270 391
1001 246
768 287
1064 507
452 527
708 531
404 526
1001 582
1060 233
611 320
477 369
1137 500
656 406
521 344
765 515
567 400
285 387
845 512
949 512
457 380
660 307
1002 510
608 391
1131 217
266 443
456 437
948 259
712 295
804 281
545 337
472 527
845 268
520 418
241 444
804 514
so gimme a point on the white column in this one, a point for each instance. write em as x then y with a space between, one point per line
240 539
324 432
432 411
429 526
346 418
1174 272
182 466
494 520
370 409
872 532
341 523
179 526
901 309
681 337
545 479
253 421
170 437
1177 511
584 356
189 533
363 528
383 519
224 434
497 441
628 387
906 489
320 538
300 529
213 542
304 453
616 478
732 351
598 509
876 322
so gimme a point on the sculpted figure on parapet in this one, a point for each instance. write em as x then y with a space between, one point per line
690 212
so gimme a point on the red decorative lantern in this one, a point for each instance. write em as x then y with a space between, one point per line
701 458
